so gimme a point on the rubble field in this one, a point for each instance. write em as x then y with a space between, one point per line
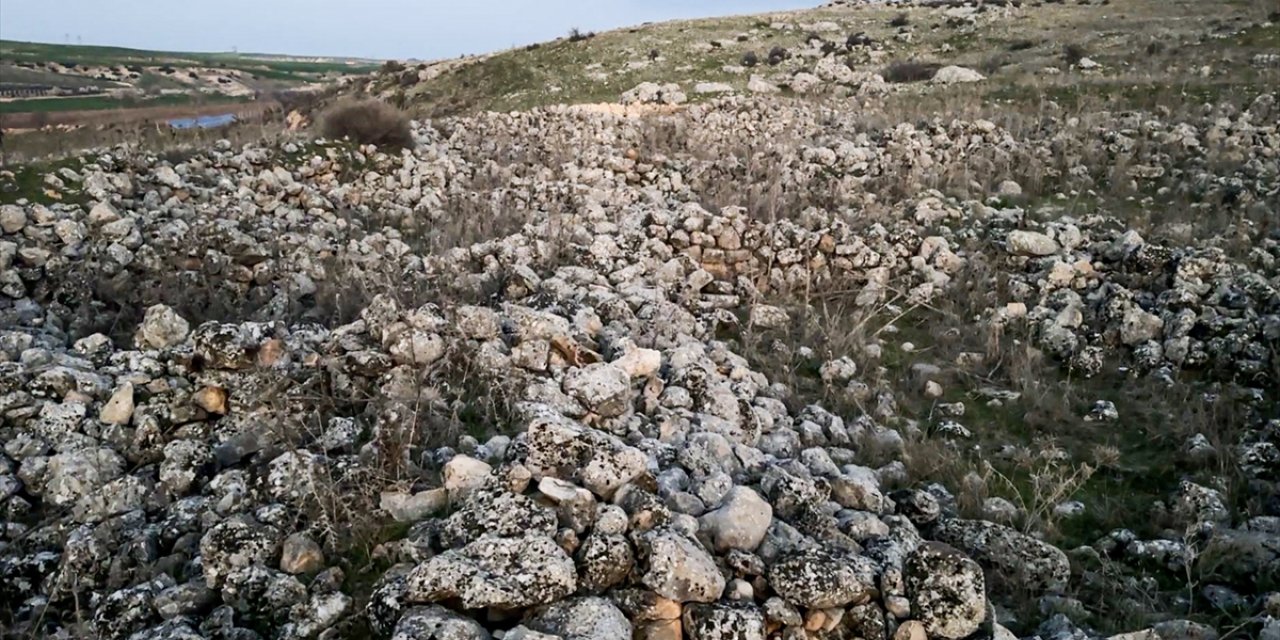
841 365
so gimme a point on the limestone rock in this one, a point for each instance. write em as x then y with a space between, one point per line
496 572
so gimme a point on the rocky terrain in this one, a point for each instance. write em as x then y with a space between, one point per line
759 367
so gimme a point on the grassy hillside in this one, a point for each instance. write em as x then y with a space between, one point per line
1142 46
73 78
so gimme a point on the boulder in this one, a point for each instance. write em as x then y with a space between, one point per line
588 618
437 623
504 573
1031 243
161 328
952 74
820 579
947 591
677 567
1020 561
740 522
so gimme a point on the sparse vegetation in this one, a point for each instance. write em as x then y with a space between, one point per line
367 122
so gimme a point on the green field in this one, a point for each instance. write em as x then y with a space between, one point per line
17 51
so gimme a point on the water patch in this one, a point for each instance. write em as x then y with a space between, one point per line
203 122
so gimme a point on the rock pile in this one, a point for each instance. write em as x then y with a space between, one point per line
195 476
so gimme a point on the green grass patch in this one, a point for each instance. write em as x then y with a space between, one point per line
28 183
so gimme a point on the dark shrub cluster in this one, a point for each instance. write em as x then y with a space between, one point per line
859 39
910 71
750 59
900 20
1073 53
777 55
577 35
367 122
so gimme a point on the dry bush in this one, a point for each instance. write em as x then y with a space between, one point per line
900 20
577 35
910 71
1073 53
1052 480
368 122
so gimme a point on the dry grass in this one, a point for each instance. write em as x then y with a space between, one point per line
1035 450
367 122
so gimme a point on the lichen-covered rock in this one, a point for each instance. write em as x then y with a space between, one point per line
493 511
71 476
437 623
724 621
1022 561
947 591
161 328
677 567
504 573
236 543
561 448
604 388
821 579
588 618
130 609
604 560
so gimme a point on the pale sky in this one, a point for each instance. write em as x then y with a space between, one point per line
371 29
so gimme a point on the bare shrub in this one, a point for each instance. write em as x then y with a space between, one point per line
368 122
1051 480
910 71
900 20
1073 53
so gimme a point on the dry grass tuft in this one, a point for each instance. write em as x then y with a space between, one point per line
368 122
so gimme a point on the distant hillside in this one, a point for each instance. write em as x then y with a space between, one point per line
52 77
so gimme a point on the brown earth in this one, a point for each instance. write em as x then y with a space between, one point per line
13 122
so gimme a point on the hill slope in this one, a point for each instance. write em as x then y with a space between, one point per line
831 356
1140 47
